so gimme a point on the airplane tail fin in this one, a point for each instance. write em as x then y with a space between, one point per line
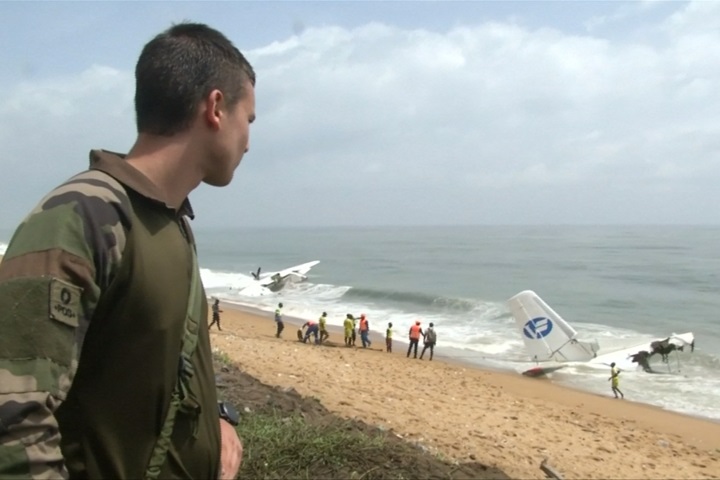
256 275
545 334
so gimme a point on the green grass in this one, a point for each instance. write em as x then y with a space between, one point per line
286 436
222 357
280 446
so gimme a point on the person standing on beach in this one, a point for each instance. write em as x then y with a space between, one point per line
354 329
429 341
414 337
323 327
216 314
279 320
364 331
106 265
348 327
388 338
615 379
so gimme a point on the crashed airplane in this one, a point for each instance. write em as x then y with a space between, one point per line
552 343
273 282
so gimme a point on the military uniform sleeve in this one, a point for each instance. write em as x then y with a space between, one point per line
58 262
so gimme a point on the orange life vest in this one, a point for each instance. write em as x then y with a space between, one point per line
363 325
415 332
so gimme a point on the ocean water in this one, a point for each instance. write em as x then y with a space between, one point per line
617 284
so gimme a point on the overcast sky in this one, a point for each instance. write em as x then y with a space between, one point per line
397 113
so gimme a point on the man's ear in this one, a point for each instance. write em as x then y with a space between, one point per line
214 104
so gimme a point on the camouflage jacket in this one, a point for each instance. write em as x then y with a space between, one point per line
93 299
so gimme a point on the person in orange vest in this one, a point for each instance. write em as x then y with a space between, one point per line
312 329
365 331
415 334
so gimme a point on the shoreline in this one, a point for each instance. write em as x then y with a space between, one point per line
463 411
400 345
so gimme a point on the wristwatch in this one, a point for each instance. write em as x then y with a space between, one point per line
229 413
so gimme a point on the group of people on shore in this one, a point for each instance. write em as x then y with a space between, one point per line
429 339
351 326
318 330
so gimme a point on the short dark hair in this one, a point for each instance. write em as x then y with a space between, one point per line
178 68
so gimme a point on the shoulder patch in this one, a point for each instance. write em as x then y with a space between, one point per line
64 302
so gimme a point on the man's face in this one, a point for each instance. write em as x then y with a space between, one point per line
232 139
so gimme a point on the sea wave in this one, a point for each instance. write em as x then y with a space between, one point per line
418 299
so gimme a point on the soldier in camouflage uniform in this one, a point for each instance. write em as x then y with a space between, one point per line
95 323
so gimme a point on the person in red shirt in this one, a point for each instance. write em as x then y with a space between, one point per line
312 329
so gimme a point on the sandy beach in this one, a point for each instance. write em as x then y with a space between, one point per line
465 413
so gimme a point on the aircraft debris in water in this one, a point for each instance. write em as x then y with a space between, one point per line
272 282
552 343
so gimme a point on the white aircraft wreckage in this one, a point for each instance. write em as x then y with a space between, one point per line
552 343
273 282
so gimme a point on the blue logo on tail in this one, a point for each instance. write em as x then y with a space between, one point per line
538 328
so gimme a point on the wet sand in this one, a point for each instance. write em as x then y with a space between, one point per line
466 413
